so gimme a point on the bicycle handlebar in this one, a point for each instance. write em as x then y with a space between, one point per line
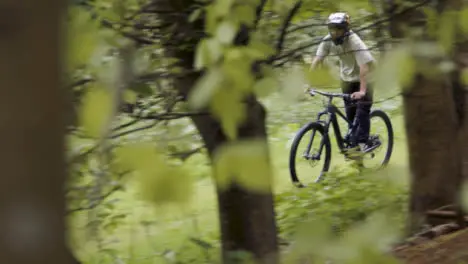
312 92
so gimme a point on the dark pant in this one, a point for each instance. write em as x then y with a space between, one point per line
358 111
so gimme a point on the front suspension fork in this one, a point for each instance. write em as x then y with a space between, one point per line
315 156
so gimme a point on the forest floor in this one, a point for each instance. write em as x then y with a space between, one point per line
445 249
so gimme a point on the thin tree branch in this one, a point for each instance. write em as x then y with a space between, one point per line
96 203
131 35
128 132
259 11
169 116
81 82
287 21
184 155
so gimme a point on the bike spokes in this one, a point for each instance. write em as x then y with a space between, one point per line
311 156
380 144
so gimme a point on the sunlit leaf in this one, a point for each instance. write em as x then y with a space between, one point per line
320 77
165 184
293 83
237 68
396 69
377 232
245 163
195 15
447 30
143 89
226 32
158 182
95 110
259 49
83 37
463 20
226 104
432 21
208 51
210 19
464 76
130 96
245 14
266 86
464 196
222 7
205 87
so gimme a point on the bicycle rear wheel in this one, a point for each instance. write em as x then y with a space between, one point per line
317 148
380 146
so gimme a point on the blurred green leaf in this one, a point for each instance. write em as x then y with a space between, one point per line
95 110
226 32
245 163
320 77
237 68
195 14
293 83
447 30
130 96
205 87
83 37
266 86
159 182
245 14
464 76
397 69
463 20
227 106
222 7
208 52
143 89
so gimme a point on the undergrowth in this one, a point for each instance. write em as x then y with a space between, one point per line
344 198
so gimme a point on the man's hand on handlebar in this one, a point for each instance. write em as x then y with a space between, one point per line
357 95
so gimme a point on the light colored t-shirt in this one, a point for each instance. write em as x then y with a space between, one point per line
352 54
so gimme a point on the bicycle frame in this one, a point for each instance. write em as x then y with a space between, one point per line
332 112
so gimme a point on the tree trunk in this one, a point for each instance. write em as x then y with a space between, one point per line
32 156
433 124
431 134
247 220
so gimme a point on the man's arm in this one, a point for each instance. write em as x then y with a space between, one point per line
364 69
322 52
364 59
317 61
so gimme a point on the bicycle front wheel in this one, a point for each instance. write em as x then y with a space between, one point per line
310 147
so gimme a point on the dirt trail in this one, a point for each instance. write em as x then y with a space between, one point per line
447 249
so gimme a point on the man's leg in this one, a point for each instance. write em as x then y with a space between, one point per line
363 117
350 106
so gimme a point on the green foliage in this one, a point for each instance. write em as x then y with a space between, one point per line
96 110
363 243
244 163
159 182
162 180
322 77
343 199
463 20
396 70
82 32
228 78
447 30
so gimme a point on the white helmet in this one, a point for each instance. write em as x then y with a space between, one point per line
339 19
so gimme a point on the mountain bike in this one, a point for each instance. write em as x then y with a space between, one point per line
346 146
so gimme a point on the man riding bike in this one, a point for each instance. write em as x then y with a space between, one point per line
355 63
